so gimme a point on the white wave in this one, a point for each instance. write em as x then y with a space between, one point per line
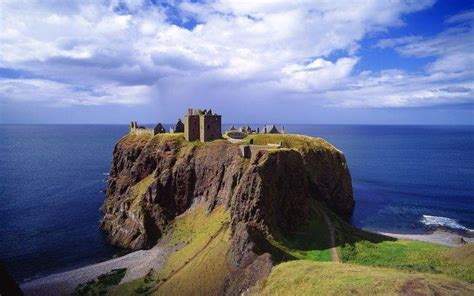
105 174
443 221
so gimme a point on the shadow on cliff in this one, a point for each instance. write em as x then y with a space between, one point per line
8 286
311 240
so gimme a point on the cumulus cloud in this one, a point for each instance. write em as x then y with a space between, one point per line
318 75
131 52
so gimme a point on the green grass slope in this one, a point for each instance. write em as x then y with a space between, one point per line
199 266
361 247
304 277
309 241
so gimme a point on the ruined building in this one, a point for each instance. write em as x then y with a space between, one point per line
136 129
269 129
198 124
159 129
179 128
202 125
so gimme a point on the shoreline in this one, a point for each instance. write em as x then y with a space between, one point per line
439 237
139 263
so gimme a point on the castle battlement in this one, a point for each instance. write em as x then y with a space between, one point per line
202 125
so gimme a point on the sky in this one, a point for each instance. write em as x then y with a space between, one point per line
321 62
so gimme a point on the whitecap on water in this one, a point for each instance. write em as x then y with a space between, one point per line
443 222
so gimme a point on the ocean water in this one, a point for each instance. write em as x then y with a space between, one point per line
406 179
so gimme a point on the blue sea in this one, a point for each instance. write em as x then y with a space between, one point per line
407 179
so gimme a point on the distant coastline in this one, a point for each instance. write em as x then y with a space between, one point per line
440 237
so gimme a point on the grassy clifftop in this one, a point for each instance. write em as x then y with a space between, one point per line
298 142
301 143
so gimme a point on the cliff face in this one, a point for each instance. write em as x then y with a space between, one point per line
154 179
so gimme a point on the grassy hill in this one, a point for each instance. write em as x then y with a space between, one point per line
373 264
360 247
303 277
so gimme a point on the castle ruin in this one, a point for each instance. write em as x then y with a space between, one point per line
199 125
202 125
205 126
136 129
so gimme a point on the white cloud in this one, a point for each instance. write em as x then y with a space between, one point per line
394 88
130 52
318 75
59 94
452 48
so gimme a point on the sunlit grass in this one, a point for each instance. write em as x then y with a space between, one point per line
361 247
200 264
304 277
299 142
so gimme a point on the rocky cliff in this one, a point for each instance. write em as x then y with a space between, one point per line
154 179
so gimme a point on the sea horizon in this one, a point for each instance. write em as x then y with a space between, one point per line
236 147
56 174
170 124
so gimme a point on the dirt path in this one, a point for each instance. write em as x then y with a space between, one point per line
332 240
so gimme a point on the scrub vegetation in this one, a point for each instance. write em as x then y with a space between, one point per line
102 284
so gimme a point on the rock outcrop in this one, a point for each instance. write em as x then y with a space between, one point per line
8 286
154 179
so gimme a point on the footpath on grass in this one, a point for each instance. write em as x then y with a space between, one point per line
332 240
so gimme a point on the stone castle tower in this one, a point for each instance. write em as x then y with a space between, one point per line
202 125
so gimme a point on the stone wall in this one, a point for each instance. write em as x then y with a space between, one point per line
191 127
210 127
142 131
